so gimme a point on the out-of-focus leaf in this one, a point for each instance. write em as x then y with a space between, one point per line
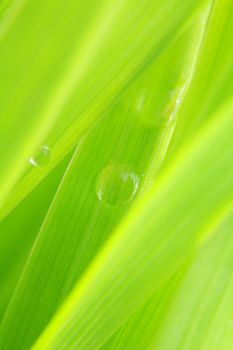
139 332
201 316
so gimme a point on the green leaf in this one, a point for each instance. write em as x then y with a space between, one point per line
115 161
211 84
201 316
19 230
70 73
188 312
147 248
139 331
129 246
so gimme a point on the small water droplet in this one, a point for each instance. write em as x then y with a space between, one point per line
157 109
41 158
117 184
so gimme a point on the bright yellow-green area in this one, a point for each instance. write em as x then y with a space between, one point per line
116 175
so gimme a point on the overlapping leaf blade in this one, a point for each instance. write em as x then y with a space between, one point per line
58 72
143 252
211 83
188 200
70 238
19 230
201 315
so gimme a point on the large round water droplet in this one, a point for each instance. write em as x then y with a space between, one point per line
117 184
41 158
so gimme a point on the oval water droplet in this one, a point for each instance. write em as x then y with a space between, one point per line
158 108
41 158
117 184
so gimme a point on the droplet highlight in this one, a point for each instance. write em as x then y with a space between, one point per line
41 158
117 184
158 108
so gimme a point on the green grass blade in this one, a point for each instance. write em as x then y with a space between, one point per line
201 315
147 247
211 83
78 218
139 332
19 230
64 77
116 195
182 314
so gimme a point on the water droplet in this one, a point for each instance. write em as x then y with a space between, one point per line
117 184
156 109
41 158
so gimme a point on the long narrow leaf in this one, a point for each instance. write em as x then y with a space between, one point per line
51 81
103 188
143 252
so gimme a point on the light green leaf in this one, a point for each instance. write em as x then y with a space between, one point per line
201 316
71 73
211 84
127 251
152 242
19 230
124 152
139 332
188 312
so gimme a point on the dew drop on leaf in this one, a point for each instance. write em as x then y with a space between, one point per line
158 108
41 158
116 184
